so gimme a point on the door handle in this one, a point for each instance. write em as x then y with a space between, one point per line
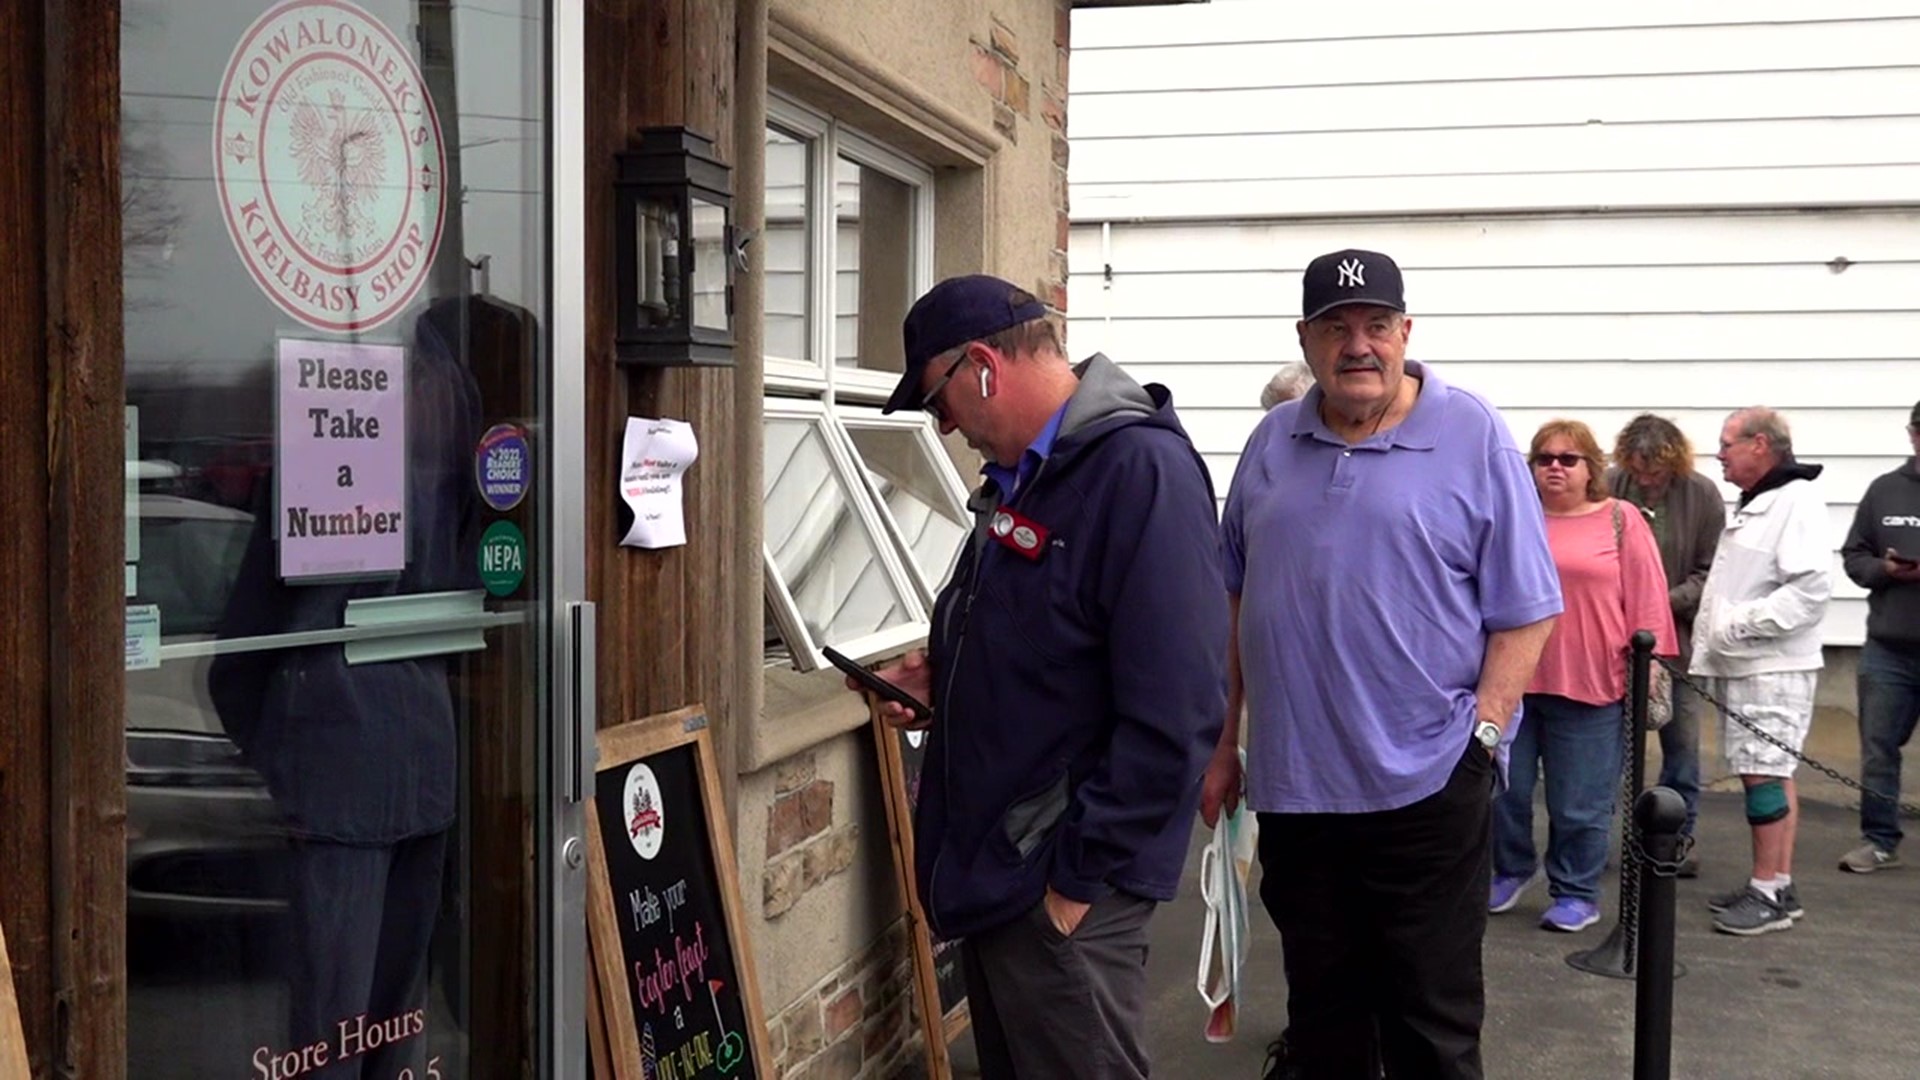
582 699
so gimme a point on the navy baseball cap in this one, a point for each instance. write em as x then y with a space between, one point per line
1350 277
952 313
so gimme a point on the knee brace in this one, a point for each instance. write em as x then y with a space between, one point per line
1766 802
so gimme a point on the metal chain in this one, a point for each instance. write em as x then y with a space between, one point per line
1659 867
1632 855
1830 773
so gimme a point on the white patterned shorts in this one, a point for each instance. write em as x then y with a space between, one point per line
1779 703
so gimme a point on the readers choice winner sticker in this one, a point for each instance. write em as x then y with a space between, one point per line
503 466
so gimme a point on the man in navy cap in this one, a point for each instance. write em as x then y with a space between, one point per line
1075 671
1391 589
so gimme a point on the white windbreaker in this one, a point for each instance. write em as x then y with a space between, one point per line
1768 589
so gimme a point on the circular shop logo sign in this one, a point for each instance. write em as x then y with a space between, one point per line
643 813
327 154
502 466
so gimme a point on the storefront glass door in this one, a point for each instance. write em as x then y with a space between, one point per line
339 565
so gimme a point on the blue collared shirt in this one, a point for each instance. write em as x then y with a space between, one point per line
1011 480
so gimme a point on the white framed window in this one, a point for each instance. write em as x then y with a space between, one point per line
848 247
835 576
920 494
864 513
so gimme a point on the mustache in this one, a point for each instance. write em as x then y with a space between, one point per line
1360 363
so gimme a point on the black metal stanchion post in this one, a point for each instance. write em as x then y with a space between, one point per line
1660 815
1615 956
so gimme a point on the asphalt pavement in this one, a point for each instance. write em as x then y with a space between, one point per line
1837 996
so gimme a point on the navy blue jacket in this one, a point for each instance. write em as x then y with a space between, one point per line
1077 696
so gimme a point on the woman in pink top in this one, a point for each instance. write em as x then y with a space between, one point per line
1613 583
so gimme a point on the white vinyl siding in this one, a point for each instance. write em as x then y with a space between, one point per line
1683 210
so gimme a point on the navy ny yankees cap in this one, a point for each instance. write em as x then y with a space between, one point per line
1350 277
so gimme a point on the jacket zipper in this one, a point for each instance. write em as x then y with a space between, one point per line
946 694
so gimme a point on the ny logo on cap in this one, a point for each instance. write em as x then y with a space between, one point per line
1352 274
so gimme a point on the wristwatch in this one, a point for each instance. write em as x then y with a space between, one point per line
1487 734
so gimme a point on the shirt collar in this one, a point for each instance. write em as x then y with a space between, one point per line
1419 431
1010 480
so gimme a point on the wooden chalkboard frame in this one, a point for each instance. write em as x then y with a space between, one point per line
939 1029
622 745
13 1040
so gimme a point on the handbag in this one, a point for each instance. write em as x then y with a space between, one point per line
1659 679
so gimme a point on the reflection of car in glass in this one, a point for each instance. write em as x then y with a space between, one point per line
202 832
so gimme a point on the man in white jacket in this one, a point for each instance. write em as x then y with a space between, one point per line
1757 639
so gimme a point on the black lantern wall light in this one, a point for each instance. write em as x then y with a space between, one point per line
676 250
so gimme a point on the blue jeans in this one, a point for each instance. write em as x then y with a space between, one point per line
1680 751
1889 702
1578 747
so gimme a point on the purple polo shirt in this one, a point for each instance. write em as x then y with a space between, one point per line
1369 577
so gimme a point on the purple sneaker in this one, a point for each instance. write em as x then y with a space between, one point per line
1506 891
1570 916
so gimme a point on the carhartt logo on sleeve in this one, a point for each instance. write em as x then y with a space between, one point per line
1896 521
1353 274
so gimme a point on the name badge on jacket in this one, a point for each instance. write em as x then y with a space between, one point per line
1019 534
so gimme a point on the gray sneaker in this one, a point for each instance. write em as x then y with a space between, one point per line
1752 915
1867 858
1789 900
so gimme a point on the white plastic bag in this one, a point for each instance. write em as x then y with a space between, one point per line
1223 947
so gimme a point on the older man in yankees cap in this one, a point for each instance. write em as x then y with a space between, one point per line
1391 587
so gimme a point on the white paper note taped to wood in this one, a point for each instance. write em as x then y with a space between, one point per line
657 454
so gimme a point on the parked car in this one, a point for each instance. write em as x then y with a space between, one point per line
203 836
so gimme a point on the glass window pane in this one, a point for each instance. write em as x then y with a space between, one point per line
915 493
709 266
818 542
335 280
876 224
788 249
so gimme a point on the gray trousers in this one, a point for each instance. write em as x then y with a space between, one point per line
1047 1007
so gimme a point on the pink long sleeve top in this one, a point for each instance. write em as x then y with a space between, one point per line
1610 591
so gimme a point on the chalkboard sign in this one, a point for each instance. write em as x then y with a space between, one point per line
940 988
676 980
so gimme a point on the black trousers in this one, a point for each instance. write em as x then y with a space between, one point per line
360 924
1381 917
1047 1007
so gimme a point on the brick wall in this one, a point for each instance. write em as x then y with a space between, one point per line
803 846
1008 70
857 1024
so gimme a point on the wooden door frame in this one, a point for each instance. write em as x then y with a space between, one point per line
62 776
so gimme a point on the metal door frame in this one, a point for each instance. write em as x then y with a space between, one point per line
568 706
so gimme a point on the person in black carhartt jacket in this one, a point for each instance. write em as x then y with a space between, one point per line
1880 554
1077 676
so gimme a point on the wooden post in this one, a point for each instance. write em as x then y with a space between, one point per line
667 618
86 534
25 854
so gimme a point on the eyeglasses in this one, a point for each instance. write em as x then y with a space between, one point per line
1567 461
930 401
1726 446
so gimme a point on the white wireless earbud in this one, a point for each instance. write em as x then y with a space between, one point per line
983 382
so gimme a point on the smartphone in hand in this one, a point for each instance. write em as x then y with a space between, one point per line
879 686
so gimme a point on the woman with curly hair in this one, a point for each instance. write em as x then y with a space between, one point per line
1653 470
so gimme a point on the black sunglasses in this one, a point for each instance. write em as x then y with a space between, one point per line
1567 461
930 401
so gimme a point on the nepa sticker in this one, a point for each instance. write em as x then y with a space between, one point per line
643 812
503 558
503 466
329 165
